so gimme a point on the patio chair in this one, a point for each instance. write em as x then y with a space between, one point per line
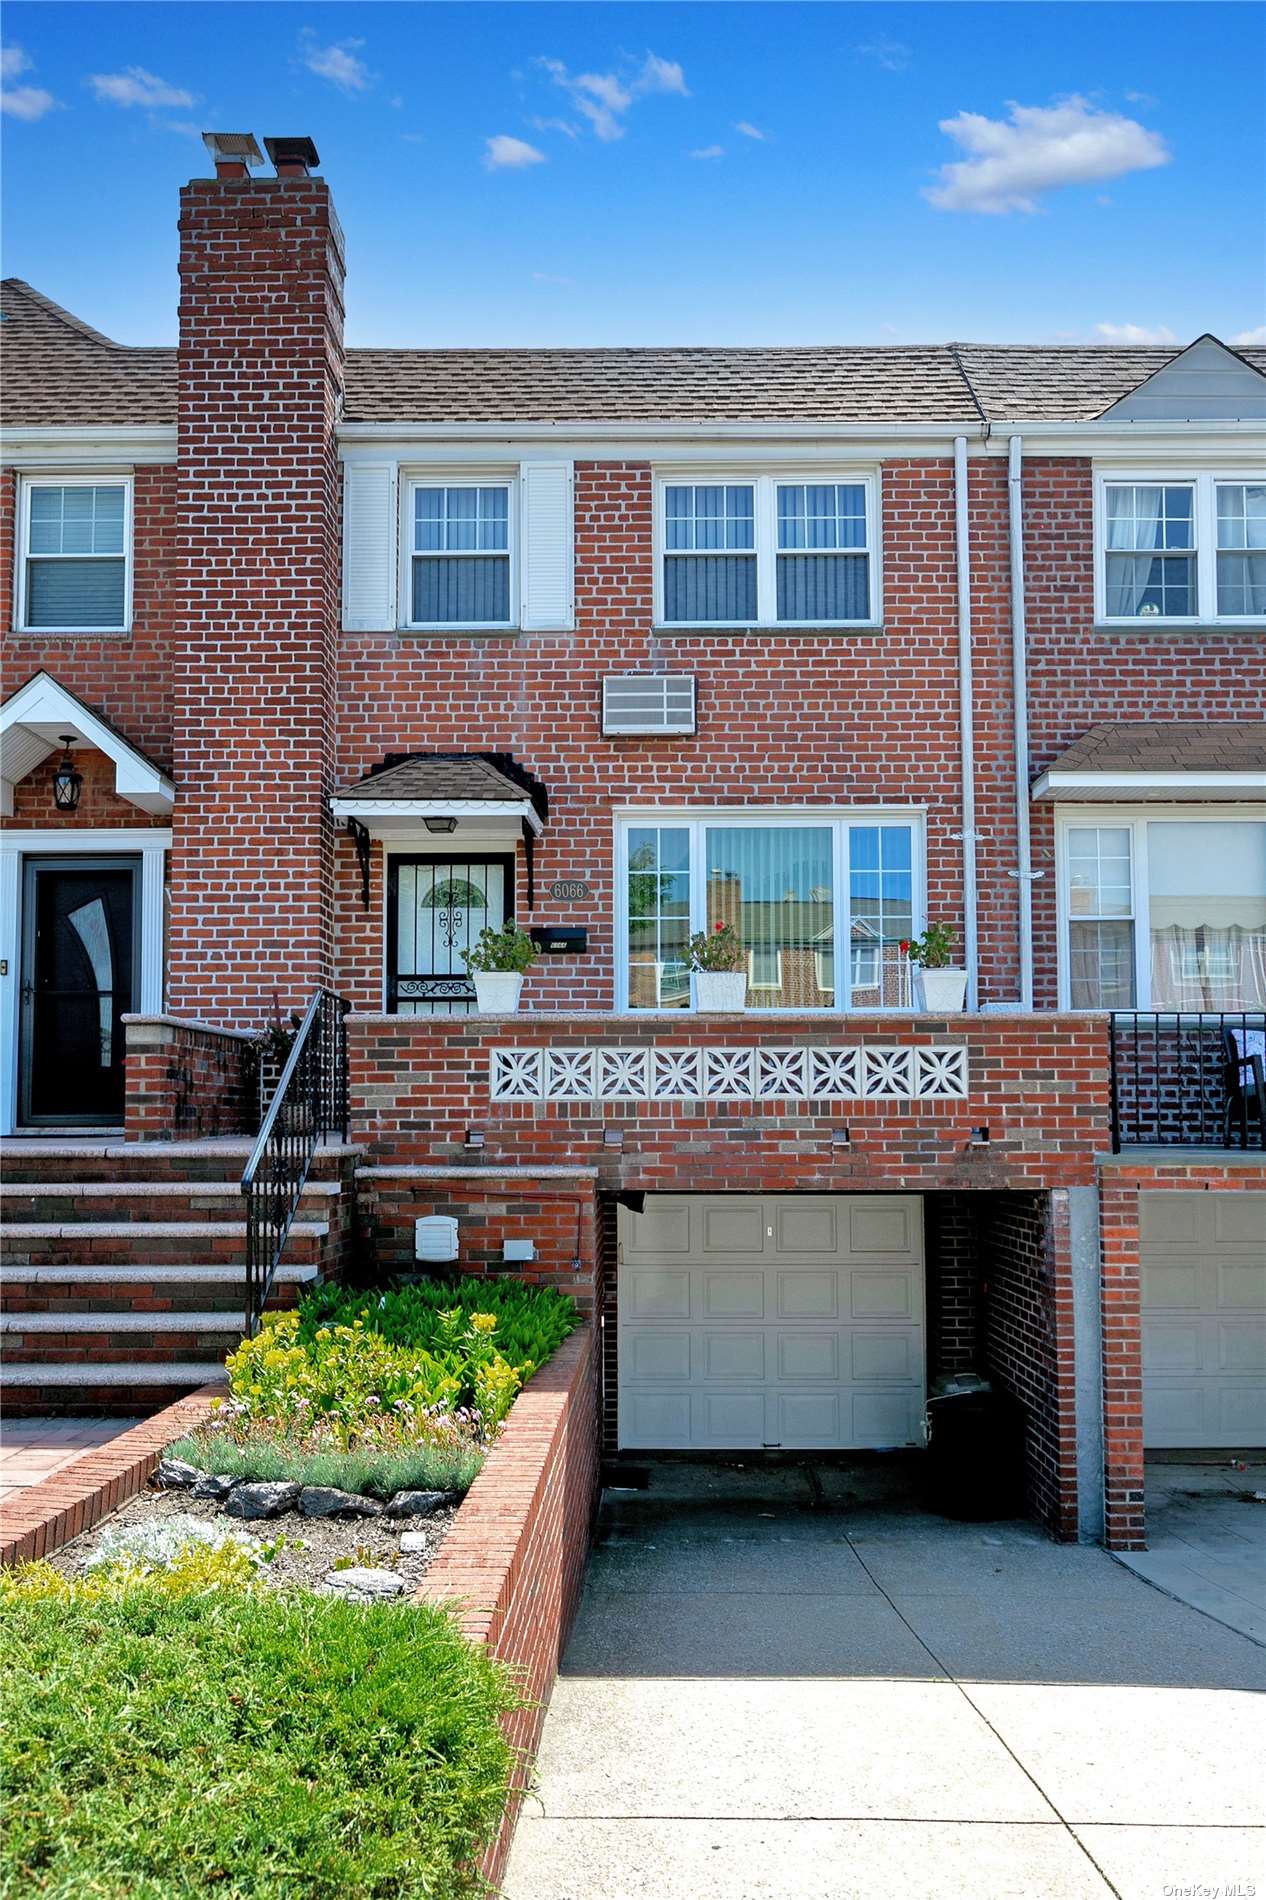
1245 1053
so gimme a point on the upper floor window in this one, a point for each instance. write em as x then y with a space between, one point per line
821 903
1165 913
73 569
1176 549
460 553
768 552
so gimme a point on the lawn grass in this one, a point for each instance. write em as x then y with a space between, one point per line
246 1745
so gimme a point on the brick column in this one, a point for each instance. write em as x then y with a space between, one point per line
260 375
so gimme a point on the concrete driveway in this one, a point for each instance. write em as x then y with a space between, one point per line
788 1684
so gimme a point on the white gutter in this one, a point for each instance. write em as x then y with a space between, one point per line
1020 703
88 444
966 735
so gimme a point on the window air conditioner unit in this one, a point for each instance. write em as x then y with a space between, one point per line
649 704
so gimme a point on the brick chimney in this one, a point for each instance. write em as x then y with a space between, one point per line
260 380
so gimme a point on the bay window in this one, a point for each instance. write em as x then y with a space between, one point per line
1165 913
73 570
820 904
1175 548
768 551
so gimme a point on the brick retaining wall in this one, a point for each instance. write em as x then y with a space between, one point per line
185 1080
514 1559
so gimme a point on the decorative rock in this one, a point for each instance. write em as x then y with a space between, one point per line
366 1583
175 1475
414 1544
416 1503
261 1500
210 1485
321 1500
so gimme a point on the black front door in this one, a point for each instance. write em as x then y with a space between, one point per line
80 974
436 908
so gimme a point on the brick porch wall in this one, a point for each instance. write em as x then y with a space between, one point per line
513 1562
186 1080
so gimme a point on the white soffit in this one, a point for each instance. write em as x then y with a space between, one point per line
389 817
1176 787
32 722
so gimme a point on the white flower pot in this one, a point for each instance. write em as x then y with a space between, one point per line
943 990
720 989
497 991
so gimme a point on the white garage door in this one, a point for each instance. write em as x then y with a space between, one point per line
1203 1263
792 1321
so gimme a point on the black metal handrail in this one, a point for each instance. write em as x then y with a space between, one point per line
309 1103
1187 1078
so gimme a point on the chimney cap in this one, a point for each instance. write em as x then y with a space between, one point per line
233 148
292 151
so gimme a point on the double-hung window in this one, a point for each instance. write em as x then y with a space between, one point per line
821 904
1165 912
460 549
768 551
1181 549
74 555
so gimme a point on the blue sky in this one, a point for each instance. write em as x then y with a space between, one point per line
610 174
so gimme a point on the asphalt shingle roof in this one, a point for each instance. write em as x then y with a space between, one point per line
1182 745
458 776
58 370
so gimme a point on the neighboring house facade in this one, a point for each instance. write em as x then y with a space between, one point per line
359 650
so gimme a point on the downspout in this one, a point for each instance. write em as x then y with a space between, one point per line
1020 701
967 746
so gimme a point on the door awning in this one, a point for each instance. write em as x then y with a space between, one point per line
475 794
33 722
1181 761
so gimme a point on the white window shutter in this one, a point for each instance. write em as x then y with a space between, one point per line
546 543
370 528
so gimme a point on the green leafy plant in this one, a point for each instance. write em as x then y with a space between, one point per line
276 1039
532 1321
720 948
161 1743
932 950
501 952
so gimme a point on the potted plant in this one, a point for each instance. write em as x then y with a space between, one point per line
496 963
719 963
944 987
272 1052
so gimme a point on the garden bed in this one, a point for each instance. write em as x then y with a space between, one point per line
302 1552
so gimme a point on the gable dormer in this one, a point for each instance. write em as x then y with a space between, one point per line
1206 382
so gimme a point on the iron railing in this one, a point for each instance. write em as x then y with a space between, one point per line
1189 1079
309 1103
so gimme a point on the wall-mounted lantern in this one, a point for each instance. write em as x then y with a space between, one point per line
440 824
67 782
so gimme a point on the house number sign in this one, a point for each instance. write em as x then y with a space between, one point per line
569 890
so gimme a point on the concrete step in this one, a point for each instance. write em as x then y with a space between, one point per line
232 1273
66 1201
103 1243
184 1373
223 1320
218 1158
83 1388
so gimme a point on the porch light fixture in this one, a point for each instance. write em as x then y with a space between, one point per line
440 824
67 782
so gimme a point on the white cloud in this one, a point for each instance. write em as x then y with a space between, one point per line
503 153
893 55
136 87
1012 162
21 102
339 62
26 102
605 98
750 131
1135 333
565 126
1251 339
709 151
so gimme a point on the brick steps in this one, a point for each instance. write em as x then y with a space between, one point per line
122 1266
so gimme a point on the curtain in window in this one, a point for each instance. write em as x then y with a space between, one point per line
1209 969
465 591
1150 562
816 587
1101 965
79 593
710 587
774 884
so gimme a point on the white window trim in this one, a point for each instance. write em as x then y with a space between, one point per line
1205 483
475 476
1134 819
765 506
838 818
151 843
101 478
